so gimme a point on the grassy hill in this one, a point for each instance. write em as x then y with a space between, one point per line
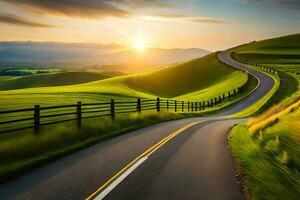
280 51
187 78
53 79
184 79
282 54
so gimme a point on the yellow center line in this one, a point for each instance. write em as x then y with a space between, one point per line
147 153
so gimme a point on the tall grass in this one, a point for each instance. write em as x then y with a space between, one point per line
270 160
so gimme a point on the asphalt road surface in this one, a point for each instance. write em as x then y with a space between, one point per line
183 159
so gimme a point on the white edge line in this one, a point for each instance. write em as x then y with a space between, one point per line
114 184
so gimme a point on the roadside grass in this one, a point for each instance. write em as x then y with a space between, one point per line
23 151
287 87
267 148
269 158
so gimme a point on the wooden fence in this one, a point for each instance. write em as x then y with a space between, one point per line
13 120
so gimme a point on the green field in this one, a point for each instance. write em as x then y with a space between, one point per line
199 79
47 80
266 148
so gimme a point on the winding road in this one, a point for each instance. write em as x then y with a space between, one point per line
183 159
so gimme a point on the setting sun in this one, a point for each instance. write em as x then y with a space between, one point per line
139 45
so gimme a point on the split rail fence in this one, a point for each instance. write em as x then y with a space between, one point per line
37 116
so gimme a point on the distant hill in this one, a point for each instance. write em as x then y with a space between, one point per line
89 54
284 51
54 79
289 44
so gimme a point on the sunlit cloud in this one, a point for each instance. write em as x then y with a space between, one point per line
19 21
183 18
72 8
88 8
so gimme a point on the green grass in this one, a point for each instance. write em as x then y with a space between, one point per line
53 79
267 147
286 45
24 150
288 86
5 77
196 75
269 159
199 79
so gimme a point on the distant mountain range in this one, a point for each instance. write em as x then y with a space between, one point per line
90 54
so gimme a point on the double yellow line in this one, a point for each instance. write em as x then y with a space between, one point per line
147 153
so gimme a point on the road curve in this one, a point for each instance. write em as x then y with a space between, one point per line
193 164
266 84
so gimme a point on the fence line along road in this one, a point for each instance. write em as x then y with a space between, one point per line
18 119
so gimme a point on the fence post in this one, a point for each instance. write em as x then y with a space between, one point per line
112 109
79 114
208 104
188 106
228 95
212 102
139 105
220 99
192 105
223 96
175 106
234 92
203 105
158 104
216 101
167 104
196 107
36 117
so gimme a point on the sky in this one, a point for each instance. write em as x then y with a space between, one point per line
208 24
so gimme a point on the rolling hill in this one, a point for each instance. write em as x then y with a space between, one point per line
199 79
283 54
280 51
53 79
185 78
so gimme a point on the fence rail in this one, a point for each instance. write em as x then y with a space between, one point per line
18 119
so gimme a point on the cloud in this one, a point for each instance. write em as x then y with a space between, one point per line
184 18
287 4
86 8
16 20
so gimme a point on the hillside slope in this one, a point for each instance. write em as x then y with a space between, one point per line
282 50
283 54
184 79
187 77
46 80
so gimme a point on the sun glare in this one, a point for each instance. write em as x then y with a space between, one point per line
139 45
